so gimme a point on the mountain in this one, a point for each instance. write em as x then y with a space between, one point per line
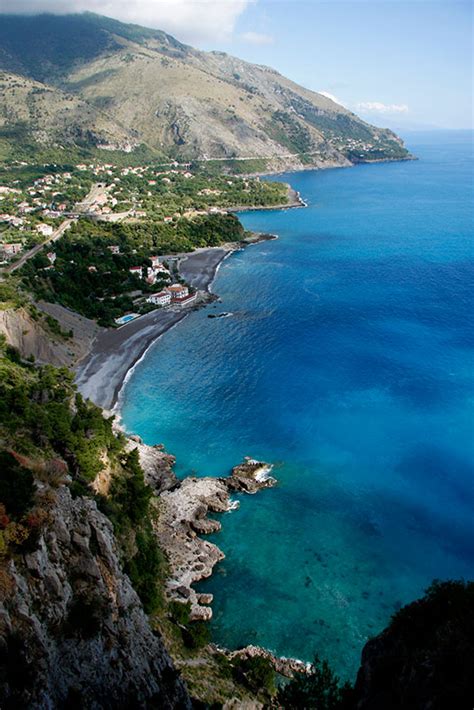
118 86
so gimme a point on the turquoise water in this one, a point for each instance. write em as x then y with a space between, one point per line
348 362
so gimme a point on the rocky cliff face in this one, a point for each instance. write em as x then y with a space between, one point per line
73 630
32 336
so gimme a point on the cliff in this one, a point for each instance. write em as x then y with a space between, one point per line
48 333
72 626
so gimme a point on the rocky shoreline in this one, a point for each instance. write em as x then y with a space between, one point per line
182 518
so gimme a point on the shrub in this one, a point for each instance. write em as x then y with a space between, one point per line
179 612
144 569
320 689
196 634
17 488
257 673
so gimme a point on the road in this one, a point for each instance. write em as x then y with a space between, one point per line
97 192
32 252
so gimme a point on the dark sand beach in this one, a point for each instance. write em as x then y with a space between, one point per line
101 374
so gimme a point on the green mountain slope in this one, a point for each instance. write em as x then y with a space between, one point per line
33 111
142 86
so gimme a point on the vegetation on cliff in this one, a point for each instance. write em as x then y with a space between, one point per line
50 435
68 611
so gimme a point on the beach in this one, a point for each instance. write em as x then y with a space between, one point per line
115 351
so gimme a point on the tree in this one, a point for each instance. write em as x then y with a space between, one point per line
320 689
17 487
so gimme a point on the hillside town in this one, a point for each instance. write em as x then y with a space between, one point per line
118 229
31 209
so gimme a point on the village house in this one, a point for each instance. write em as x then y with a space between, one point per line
24 208
157 265
6 190
151 276
162 298
51 257
114 248
45 229
178 291
11 219
136 271
11 249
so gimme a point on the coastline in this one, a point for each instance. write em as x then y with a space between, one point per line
101 375
115 352
294 201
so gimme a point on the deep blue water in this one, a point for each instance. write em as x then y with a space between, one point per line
348 363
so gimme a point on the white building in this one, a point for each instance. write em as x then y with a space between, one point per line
45 229
51 257
162 298
157 266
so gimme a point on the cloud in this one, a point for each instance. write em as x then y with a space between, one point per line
378 107
257 38
188 20
331 96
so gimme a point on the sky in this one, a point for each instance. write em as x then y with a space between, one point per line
405 65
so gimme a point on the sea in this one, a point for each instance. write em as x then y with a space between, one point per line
347 362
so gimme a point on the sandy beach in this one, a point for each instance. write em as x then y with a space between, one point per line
101 374
199 268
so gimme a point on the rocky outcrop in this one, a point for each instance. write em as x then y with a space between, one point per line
73 630
182 515
287 667
183 518
157 465
250 476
